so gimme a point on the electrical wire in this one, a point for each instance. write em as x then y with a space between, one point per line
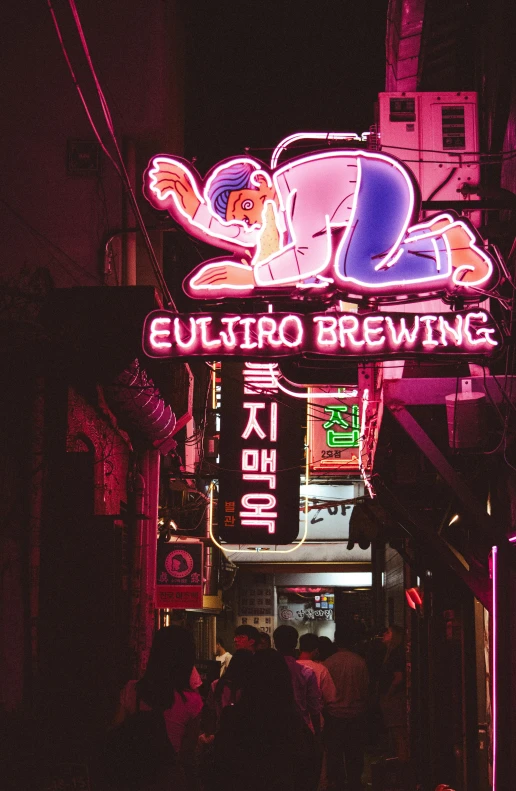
52 245
122 169
118 165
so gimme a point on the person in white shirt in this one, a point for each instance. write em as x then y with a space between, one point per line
222 656
308 651
304 680
308 644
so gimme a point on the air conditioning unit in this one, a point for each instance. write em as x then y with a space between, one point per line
436 136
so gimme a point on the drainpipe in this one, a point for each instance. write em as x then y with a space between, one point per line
502 626
144 574
211 560
35 518
128 217
136 576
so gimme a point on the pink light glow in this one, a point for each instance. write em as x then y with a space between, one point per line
259 504
327 335
274 422
284 144
370 330
374 334
349 331
260 476
483 333
303 202
494 688
429 338
362 440
404 334
252 422
343 334
203 324
177 334
159 328
456 334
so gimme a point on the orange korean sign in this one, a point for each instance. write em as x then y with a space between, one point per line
333 432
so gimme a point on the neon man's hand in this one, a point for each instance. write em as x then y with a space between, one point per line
171 180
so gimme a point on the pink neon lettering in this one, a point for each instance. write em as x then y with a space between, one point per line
252 423
326 335
483 333
370 330
349 331
270 524
177 333
248 344
445 327
258 476
229 337
404 333
298 327
267 327
261 366
274 422
259 378
156 333
250 459
268 462
258 505
427 321
203 324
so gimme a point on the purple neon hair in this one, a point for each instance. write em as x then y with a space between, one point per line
229 179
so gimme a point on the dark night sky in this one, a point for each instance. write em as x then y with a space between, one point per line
258 71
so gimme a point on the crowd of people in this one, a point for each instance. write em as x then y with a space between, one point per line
282 718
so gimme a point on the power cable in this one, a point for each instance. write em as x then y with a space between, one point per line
120 165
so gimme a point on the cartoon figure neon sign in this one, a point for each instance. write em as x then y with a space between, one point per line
343 221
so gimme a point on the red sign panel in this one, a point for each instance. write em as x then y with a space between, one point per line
179 580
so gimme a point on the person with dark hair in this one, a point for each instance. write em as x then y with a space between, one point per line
325 648
222 656
304 680
265 641
247 637
344 725
165 686
226 691
308 648
391 690
263 741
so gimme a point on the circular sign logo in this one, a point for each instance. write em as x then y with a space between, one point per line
179 563
286 614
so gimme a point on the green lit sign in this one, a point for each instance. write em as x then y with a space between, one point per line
342 439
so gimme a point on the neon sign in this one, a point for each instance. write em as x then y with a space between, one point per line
337 221
337 438
274 335
333 432
261 454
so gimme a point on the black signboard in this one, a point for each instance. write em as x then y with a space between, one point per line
261 457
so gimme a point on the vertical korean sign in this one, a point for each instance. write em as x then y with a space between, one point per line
179 578
261 457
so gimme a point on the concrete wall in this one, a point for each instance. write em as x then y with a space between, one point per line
49 217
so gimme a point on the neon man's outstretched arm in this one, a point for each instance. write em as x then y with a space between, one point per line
169 185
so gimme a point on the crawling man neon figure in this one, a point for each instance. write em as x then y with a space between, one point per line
345 220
